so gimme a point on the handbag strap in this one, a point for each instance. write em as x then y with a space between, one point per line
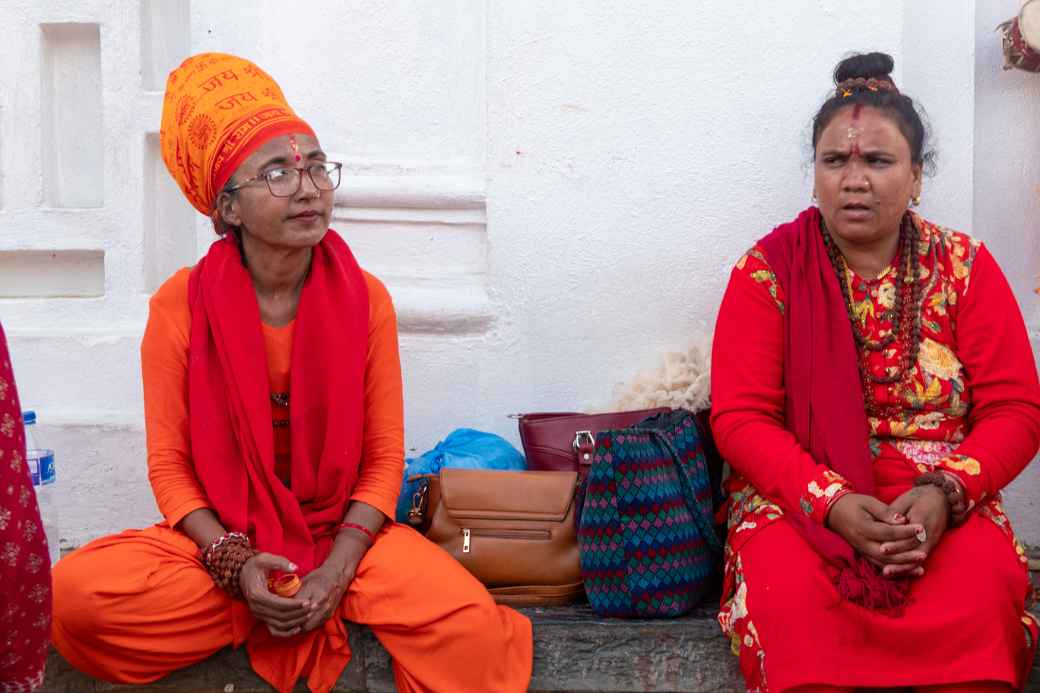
656 427
700 511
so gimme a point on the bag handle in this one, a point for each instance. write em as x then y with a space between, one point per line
702 516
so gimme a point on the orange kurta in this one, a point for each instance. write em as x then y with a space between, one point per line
133 607
164 362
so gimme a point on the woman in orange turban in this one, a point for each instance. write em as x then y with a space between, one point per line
274 420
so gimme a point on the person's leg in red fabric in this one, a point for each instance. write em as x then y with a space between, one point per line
972 593
439 624
793 613
975 573
133 607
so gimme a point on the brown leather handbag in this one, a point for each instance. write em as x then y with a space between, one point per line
514 531
564 441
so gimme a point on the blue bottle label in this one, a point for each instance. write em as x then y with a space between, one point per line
47 472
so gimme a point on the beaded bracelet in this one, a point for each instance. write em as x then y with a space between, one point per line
224 559
361 528
221 540
951 487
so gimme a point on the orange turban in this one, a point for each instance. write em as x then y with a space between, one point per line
218 110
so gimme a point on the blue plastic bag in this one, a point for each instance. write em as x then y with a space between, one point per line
464 447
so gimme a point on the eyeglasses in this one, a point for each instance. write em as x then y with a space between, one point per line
286 182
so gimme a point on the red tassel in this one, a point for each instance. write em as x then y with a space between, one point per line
860 583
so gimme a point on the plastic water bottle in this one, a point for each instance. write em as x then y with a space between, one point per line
41 466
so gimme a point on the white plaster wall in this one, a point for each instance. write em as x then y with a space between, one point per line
938 70
554 192
633 156
1007 200
76 358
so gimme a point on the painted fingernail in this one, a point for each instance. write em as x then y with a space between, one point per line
899 517
292 566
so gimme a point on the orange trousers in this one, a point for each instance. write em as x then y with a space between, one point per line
133 607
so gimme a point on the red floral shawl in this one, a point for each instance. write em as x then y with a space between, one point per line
25 572
824 404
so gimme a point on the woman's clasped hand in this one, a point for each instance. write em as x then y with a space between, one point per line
898 537
316 601
284 616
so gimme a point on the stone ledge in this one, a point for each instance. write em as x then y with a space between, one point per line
574 651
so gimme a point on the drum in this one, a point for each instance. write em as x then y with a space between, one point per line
1021 38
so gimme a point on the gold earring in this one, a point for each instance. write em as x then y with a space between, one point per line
916 200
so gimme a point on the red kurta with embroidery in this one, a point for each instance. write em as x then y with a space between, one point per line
971 407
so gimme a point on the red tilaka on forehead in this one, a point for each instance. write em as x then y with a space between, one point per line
854 131
295 147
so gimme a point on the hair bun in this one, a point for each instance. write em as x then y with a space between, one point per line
866 66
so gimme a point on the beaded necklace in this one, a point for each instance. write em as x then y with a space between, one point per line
905 316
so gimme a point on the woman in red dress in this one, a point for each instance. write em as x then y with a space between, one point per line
873 389
25 572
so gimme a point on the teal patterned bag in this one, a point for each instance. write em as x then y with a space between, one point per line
646 533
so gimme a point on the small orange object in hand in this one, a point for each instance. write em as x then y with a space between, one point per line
284 584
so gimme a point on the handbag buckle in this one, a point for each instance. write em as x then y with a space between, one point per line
584 444
417 513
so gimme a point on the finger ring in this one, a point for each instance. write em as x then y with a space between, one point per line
922 536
